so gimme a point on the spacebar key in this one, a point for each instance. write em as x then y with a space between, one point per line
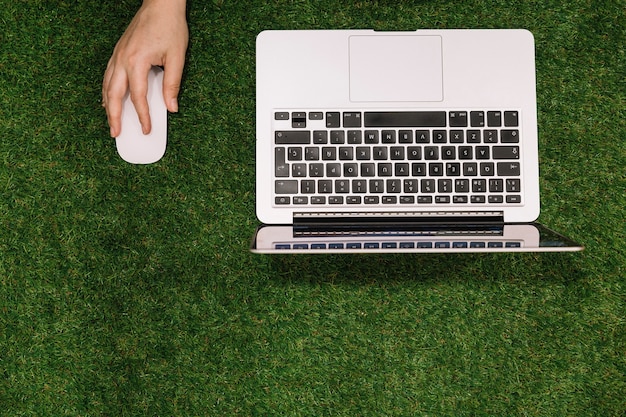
405 119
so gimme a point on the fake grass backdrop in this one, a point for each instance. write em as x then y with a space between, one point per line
128 290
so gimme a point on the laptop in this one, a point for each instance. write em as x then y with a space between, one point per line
422 141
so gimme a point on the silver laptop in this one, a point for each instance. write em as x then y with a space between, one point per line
420 141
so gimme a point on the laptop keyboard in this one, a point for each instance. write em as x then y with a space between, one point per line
397 158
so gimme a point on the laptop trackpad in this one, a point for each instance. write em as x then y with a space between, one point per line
396 68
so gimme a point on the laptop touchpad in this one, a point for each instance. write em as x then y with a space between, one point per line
396 68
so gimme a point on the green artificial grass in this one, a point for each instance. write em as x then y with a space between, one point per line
129 290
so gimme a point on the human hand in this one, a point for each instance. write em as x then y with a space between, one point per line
157 35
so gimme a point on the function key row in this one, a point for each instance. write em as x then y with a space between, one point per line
495 118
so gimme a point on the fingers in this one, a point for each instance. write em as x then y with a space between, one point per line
138 82
171 81
113 91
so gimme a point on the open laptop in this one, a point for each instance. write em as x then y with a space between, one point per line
420 141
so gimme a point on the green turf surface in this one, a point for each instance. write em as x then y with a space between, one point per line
129 290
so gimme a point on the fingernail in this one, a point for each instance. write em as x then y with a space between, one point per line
174 105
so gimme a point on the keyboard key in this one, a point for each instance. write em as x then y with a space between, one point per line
509 136
333 119
286 186
298 170
458 118
479 186
312 154
494 118
405 136
307 187
316 170
511 118
461 186
292 137
354 137
477 119
406 119
453 169
473 136
371 136
513 185
281 167
422 136
301 200
508 169
359 186
350 170
320 137
316 115
418 169
281 115
294 154
457 136
490 136
337 137
482 152
352 119
506 152
342 186
325 186
496 185
388 136
440 136
394 186
298 120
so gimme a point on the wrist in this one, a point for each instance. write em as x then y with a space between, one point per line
173 6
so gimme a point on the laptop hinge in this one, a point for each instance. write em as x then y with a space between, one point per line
396 223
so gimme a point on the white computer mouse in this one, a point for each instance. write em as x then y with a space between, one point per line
132 145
